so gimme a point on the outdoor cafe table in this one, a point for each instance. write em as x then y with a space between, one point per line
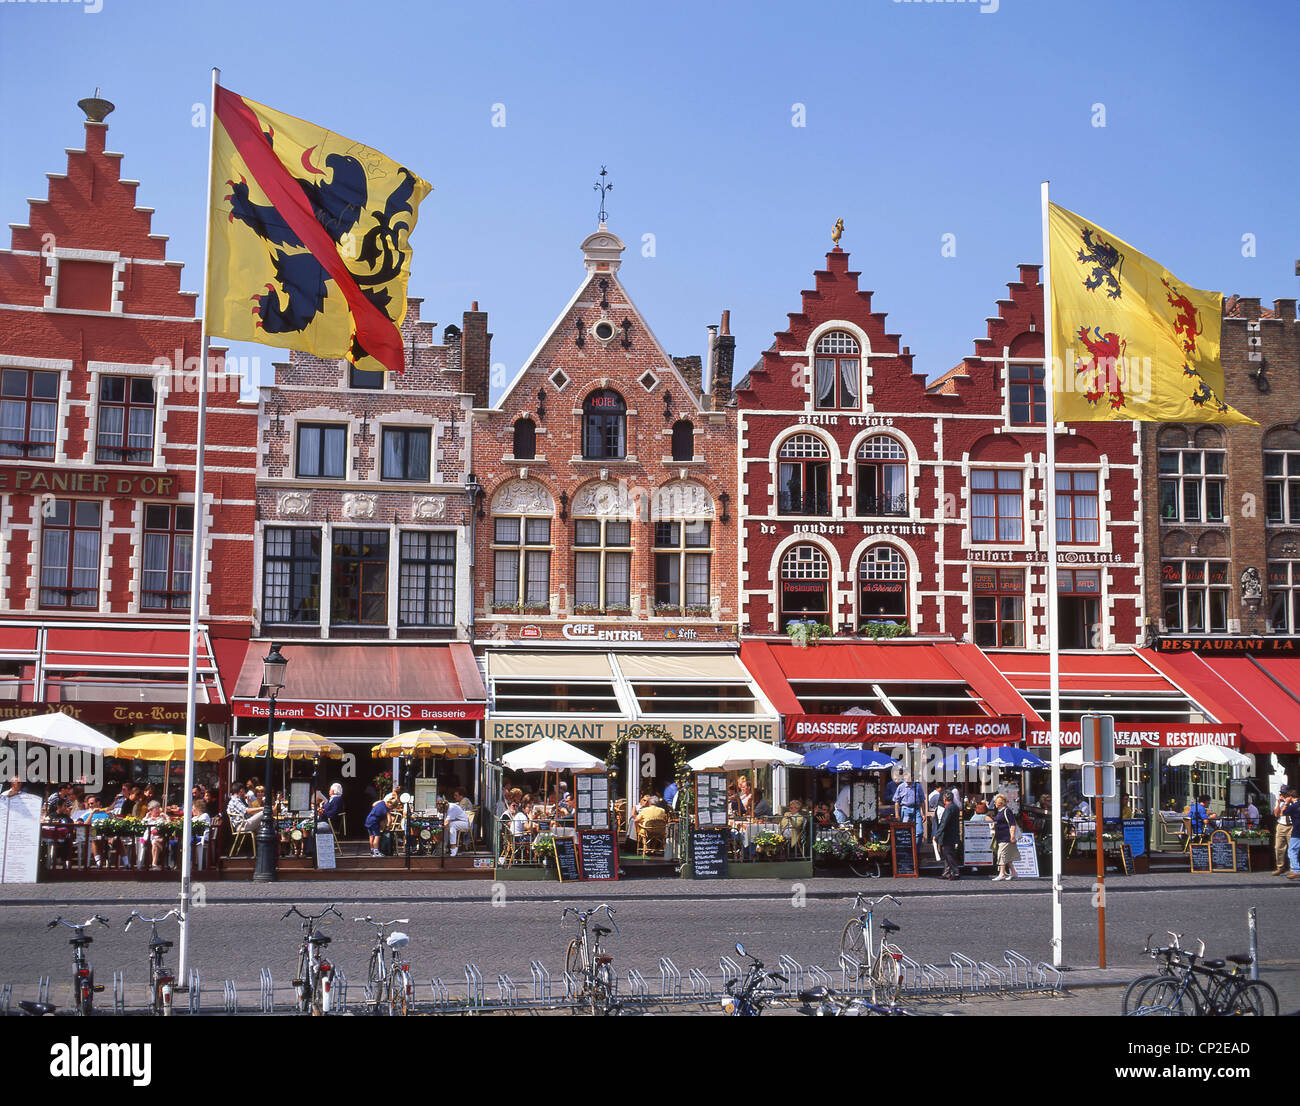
749 828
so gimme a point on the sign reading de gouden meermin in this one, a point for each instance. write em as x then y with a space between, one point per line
1131 341
309 237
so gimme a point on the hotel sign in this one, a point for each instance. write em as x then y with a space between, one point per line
573 730
33 480
871 728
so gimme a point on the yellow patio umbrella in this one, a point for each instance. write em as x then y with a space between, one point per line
160 746
425 743
294 745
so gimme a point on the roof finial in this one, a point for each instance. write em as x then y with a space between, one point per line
604 188
96 109
835 234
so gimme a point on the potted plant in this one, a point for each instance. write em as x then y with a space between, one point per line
878 630
586 608
698 610
536 608
618 608
806 631
544 850
769 843
667 610
505 608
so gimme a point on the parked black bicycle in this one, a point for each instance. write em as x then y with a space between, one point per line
1190 985
84 989
315 979
162 983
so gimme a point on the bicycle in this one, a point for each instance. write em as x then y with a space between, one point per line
749 995
389 984
83 975
1196 987
315 980
882 964
822 1002
162 983
585 961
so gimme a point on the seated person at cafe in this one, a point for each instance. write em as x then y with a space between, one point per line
377 820
761 807
651 819
516 821
822 816
330 808
241 818
1199 813
455 822
793 823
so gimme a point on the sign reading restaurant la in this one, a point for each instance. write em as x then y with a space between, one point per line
80 481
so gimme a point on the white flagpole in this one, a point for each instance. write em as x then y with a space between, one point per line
1053 622
196 558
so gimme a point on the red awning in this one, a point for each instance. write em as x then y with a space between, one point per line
129 650
347 676
1235 689
18 639
1117 673
757 658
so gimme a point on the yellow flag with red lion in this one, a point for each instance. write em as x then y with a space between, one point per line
1131 341
310 237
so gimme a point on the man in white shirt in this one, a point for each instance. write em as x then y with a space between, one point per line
455 822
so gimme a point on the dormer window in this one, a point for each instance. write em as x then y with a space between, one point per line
837 376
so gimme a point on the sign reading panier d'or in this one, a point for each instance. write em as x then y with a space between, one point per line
573 730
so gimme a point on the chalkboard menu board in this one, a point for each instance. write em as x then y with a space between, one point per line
597 856
566 859
1126 864
1243 855
902 842
592 793
1200 857
709 854
1223 857
1135 834
710 799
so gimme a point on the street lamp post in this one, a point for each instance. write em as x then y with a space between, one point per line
273 666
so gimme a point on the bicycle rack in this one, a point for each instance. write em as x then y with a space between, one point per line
541 981
700 989
1045 973
230 997
572 987
439 989
819 975
670 979
934 978
793 971
1019 969
910 978
6 994
851 975
730 971
196 986
964 970
506 989
474 985
119 993
638 988
340 989
43 989
990 978
266 992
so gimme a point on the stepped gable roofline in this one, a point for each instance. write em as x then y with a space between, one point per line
600 248
1018 325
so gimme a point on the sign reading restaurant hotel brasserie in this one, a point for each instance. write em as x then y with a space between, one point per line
531 729
33 480
960 730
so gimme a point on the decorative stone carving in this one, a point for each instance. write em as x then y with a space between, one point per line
683 499
603 499
360 505
426 508
1252 587
523 497
293 504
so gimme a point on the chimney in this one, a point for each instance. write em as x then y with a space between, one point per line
724 359
476 356
706 381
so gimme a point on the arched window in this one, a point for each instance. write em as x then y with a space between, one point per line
882 586
683 440
1193 481
838 371
525 444
604 426
882 477
1282 477
803 476
805 585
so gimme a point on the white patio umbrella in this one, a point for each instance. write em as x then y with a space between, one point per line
1209 754
59 729
1074 759
550 754
732 756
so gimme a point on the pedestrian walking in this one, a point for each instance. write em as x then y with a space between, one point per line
1281 832
1292 814
1004 837
947 833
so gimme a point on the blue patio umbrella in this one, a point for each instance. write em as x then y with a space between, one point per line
847 760
1003 756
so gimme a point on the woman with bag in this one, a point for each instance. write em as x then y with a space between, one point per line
1004 837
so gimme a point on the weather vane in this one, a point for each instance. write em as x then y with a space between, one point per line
839 229
604 188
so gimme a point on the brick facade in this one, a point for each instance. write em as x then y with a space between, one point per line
1252 561
863 541
600 350
87 295
306 485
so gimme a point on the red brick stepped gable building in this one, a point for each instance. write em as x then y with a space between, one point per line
878 505
98 420
608 470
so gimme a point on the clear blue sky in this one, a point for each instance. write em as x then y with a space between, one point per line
923 119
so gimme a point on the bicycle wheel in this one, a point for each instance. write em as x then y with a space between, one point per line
303 982
573 959
1251 998
886 976
84 998
602 992
1165 998
853 942
399 994
375 981
1136 988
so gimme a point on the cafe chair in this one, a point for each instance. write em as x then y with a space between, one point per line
237 838
650 839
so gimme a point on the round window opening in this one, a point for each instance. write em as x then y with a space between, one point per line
604 330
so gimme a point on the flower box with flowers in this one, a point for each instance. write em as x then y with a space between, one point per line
842 848
536 608
698 610
618 608
586 608
121 827
769 844
505 608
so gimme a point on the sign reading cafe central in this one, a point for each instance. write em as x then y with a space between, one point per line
532 729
